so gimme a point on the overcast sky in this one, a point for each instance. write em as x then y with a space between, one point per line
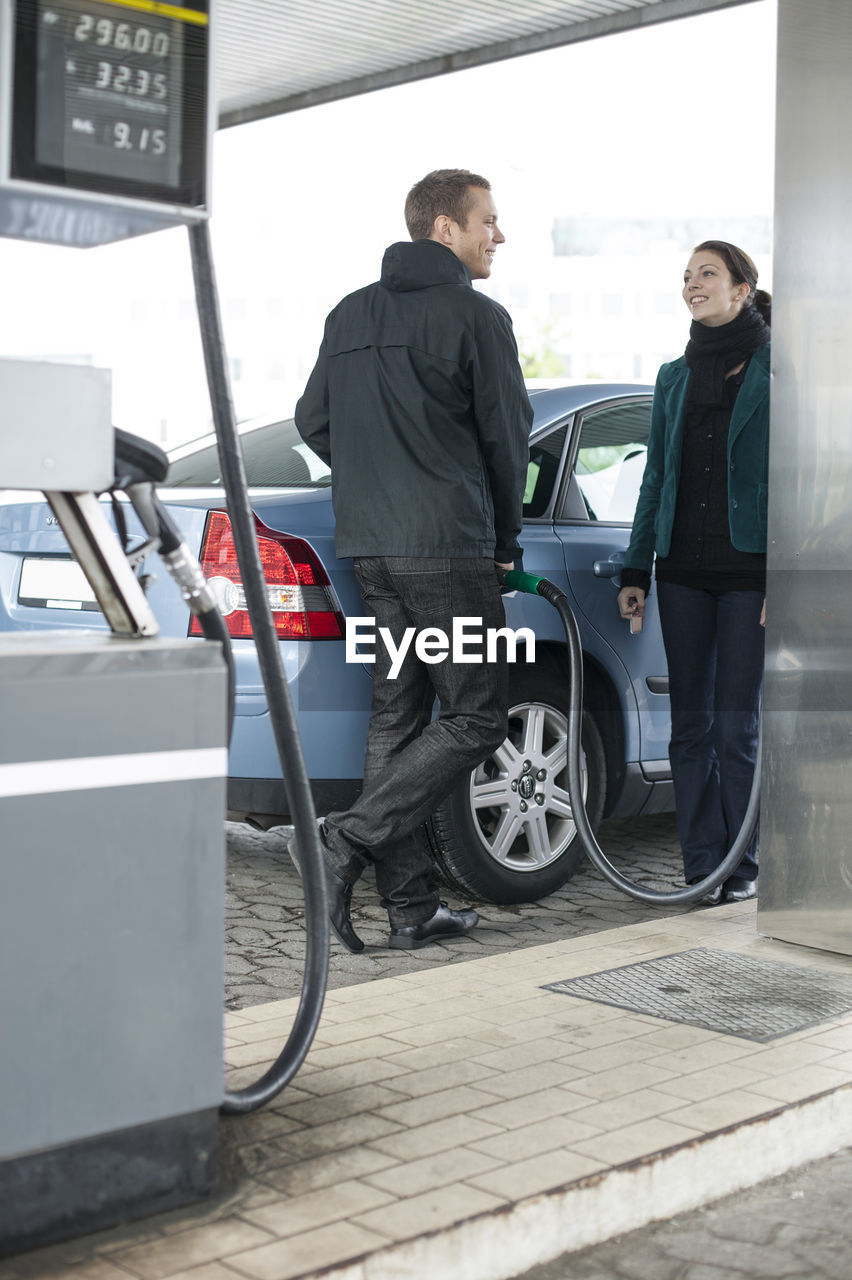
673 119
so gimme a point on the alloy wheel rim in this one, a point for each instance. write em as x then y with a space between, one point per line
519 796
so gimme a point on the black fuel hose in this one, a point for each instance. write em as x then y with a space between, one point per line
282 717
518 580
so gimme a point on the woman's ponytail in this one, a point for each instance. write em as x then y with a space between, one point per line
763 304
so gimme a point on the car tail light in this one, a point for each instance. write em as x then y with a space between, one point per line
301 598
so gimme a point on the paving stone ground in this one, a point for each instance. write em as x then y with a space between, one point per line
265 944
798 1227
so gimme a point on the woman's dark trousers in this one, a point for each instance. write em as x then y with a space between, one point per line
714 646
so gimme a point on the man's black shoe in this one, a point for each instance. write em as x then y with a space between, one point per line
445 923
339 894
339 901
739 890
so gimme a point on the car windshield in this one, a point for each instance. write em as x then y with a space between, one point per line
275 458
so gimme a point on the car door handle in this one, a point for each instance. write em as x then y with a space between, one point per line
607 568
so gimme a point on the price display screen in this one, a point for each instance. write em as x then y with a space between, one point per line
111 96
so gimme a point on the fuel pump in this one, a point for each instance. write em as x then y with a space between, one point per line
106 124
139 465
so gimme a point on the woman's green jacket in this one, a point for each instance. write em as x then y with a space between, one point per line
748 463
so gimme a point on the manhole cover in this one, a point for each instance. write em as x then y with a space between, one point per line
720 991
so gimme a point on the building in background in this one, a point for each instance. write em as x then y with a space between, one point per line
592 297
606 303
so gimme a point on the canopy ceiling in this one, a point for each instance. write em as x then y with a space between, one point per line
282 55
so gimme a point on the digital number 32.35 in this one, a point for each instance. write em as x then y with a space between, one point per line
126 138
134 81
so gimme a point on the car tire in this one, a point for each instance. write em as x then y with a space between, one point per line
501 852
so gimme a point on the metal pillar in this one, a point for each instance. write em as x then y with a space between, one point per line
806 840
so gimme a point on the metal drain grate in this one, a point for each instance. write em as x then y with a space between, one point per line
720 991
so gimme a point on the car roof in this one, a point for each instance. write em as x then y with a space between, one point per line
188 447
550 397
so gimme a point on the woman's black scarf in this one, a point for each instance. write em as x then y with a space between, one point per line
714 349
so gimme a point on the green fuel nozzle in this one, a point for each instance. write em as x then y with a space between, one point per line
533 585
517 580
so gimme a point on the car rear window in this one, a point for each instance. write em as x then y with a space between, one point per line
275 457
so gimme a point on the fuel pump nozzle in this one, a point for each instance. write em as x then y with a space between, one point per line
533 585
139 466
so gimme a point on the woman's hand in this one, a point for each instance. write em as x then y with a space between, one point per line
763 613
631 602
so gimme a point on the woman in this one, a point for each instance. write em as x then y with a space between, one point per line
702 509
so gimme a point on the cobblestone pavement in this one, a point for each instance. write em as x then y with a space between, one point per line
265 944
797 1227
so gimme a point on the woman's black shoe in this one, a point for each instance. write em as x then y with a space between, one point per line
739 890
711 899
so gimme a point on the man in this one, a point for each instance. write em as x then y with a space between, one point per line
418 404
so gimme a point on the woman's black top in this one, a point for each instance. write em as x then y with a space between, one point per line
701 554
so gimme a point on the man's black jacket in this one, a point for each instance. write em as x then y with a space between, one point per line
418 403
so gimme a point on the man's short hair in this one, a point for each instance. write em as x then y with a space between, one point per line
443 191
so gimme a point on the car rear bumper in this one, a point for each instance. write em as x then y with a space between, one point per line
263 803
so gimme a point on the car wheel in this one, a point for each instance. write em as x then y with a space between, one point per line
506 834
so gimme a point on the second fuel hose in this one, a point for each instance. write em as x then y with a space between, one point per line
518 580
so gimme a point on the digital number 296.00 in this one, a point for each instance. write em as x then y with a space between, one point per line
121 35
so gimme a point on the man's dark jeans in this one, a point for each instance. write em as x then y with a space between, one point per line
714 647
412 761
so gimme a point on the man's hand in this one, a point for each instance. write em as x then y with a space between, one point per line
505 567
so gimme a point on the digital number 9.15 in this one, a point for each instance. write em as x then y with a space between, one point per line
153 141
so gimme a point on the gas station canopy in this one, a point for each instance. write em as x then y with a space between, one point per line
283 55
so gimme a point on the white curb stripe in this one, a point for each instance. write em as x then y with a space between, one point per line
90 773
